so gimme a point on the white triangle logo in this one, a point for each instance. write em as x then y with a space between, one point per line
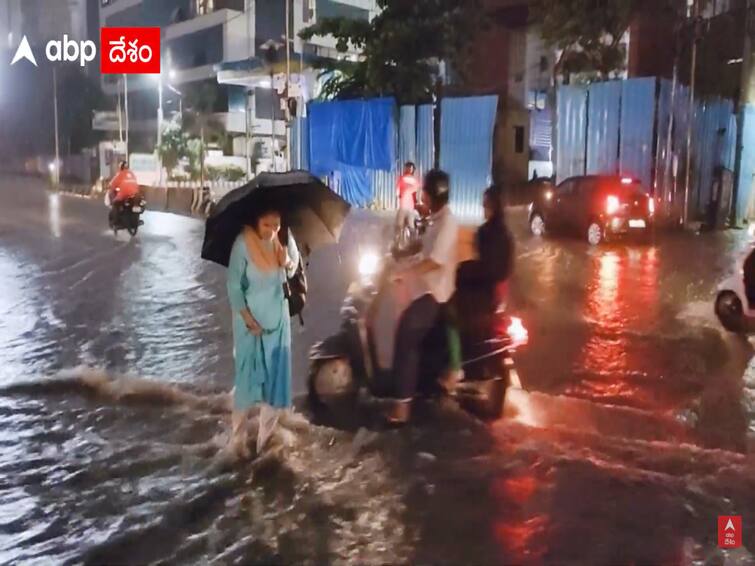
24 52
730 526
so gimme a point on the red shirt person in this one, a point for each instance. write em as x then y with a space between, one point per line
126 184
407 188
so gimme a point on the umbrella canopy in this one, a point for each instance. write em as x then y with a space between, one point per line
313 212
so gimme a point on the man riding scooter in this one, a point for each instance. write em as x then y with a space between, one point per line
400 337
123 187
431 281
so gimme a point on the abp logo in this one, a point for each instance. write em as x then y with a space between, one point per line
130 51
730 531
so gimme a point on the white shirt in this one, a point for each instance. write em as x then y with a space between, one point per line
439 244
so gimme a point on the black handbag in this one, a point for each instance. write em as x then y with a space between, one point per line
295 289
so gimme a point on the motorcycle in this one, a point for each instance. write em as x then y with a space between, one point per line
127 216
354 364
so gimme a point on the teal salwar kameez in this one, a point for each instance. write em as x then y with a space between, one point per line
262 363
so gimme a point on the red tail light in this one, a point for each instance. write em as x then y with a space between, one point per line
651 205
612 204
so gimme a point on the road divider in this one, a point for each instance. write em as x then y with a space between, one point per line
156 197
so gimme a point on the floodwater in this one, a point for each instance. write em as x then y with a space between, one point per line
115 363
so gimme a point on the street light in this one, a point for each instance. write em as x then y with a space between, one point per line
180 99
159 78
270 49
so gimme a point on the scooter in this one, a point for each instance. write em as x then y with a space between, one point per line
128 216
733 308
355 363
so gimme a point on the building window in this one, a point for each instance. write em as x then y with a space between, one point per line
519 139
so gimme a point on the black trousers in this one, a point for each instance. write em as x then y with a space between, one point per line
416 325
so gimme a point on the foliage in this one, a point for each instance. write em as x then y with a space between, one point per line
400 48
200 103
173 148
233 173
195 155
230 173
589 33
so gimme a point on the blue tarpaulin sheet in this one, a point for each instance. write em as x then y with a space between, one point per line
603 132
359 133
323 159
467 149
347 138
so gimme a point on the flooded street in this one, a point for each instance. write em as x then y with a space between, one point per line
116 360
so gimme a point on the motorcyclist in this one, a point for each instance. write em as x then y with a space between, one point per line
123 187
431 280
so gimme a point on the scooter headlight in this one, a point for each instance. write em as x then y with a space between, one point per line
517 332
368 264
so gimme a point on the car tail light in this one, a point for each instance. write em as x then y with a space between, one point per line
651 206
612 204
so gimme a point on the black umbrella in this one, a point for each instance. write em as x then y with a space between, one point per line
313 212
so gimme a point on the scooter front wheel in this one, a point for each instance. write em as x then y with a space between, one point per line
730 312
331 380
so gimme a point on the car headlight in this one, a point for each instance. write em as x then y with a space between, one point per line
368 264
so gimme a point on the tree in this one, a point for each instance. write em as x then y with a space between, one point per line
400 48
587 33
200 104
173 148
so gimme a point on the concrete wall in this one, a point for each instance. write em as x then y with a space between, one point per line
513 165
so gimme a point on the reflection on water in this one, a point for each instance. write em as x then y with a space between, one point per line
161 298
97 470
621 306
53 204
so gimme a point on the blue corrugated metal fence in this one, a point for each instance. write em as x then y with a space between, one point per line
603 128
624 126
466 151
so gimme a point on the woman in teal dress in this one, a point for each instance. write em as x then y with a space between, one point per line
258 268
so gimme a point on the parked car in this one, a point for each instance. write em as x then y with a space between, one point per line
594 207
